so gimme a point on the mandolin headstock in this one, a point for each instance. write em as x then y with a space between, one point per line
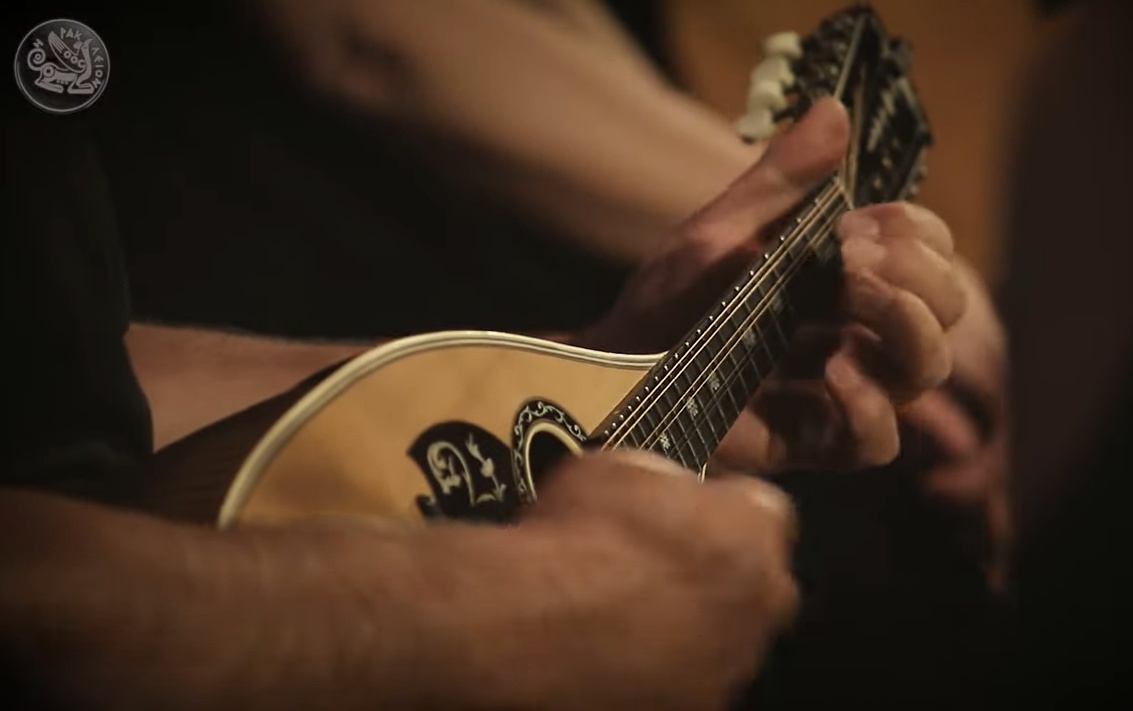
851 57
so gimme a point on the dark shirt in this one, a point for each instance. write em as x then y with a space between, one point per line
76 418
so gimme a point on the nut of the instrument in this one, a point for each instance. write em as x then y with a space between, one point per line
783 44
756 125
766 95
775 69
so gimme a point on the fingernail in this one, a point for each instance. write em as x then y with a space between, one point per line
842 373
862 252
642 459
856 224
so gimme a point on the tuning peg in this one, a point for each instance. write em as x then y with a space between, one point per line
756 125
766 95
783 44
776 69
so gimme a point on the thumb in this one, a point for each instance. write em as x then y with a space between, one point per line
795 163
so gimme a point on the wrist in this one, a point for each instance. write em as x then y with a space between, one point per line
500 614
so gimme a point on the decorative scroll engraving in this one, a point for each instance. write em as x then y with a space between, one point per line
451 470
461 462
474 475
533 413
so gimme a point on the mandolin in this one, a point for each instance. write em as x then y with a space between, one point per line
461 425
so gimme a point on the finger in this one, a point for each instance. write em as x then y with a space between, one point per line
811 345
747 449
935 414
901 219
959 483
750 530
912 355
907 263
801 421
597 482
871 436
767 499
793 165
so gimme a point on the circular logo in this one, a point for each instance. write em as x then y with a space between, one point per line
62 66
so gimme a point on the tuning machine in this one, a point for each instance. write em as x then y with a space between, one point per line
771 80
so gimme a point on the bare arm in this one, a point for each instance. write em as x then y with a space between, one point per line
552 114
112 610
193 377
593 605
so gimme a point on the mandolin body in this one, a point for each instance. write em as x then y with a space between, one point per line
454 424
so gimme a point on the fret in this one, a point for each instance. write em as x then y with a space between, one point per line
649 422
680 380
718 389
738 363
670 447
694 434
761 353
696 393
773 328
727 327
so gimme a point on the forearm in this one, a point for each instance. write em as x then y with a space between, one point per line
100 609
193 377
602 148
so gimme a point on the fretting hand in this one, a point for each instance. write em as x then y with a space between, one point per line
902 292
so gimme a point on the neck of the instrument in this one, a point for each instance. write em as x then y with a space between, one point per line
690 400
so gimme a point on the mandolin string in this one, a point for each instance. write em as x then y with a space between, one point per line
698 386
836 188
668 381
778 256
621 429
713 399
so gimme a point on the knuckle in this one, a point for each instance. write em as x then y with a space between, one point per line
959 302
884 446
935 364
773 510
784 597
891 215
907 219
875 430
927 356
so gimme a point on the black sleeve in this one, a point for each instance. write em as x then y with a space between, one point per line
76 419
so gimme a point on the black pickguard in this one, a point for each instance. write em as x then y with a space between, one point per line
473 475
